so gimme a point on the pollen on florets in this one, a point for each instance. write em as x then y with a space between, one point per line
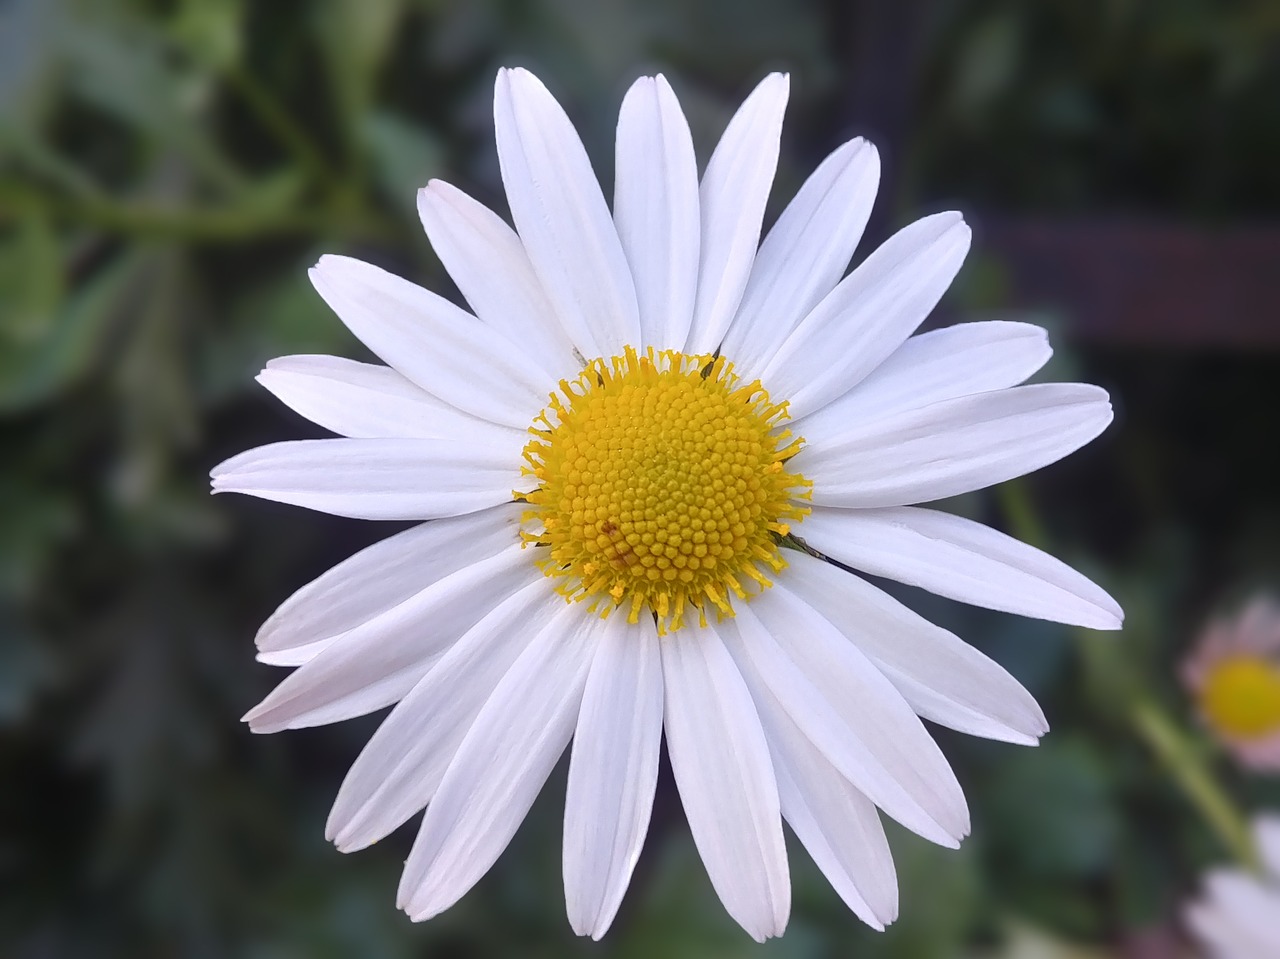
662 485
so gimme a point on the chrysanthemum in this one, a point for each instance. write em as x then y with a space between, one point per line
1238 916
1234 675
633 461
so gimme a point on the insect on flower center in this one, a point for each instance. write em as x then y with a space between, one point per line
1241 696
661 484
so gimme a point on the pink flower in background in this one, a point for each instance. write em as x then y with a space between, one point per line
1234 675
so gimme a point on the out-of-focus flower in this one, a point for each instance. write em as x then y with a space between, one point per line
629 375
1238 914
1234 674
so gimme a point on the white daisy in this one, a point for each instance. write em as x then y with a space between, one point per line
1238 917
679 413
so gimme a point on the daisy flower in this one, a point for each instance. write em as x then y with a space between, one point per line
1234 676
1238 916
633 459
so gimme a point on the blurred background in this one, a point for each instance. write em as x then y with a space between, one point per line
170 168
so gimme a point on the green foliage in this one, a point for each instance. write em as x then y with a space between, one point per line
168 171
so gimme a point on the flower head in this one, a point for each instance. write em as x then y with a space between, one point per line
633 460
1238 916
1234 675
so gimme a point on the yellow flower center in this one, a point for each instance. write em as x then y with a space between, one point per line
661 484
1241 697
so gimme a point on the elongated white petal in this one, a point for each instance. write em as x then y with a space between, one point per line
612 773
386 574
869 315
851 712
377 479
1222 933
442 348
293 655
935 366
952 447
1249 908
960 559
378 662
732 198
655 207
1266 831
722 768
500 766
943 678
489 264
837 824
805 254
562 217
364 400
398 771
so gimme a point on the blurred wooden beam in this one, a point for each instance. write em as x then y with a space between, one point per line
1142 283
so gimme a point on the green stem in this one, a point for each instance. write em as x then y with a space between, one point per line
1187 767
279 123
207 225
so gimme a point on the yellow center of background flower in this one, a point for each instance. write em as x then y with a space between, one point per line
661 484
1241 697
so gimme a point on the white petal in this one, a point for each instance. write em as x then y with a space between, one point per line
805 253
1224 936
850 711
489 264
293 655
1250 907
960 559
377 479
385 574
500 765
655 207
612 773
951 447
369 401
732 198
444 349
943 678
722 768
837 824
939 365
1266 829
562 217
401 766
869 315
378 662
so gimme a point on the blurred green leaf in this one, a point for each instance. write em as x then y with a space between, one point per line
940 893
405 156
31 279
28 35
126 69
355 36
32 372
282 317
212 29
1053 810
988 60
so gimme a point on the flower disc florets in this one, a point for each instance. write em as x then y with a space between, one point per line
661 483
1241 696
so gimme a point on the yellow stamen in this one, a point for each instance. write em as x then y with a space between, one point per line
661 484
1241 696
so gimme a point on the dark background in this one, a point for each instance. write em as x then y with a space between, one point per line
168 170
